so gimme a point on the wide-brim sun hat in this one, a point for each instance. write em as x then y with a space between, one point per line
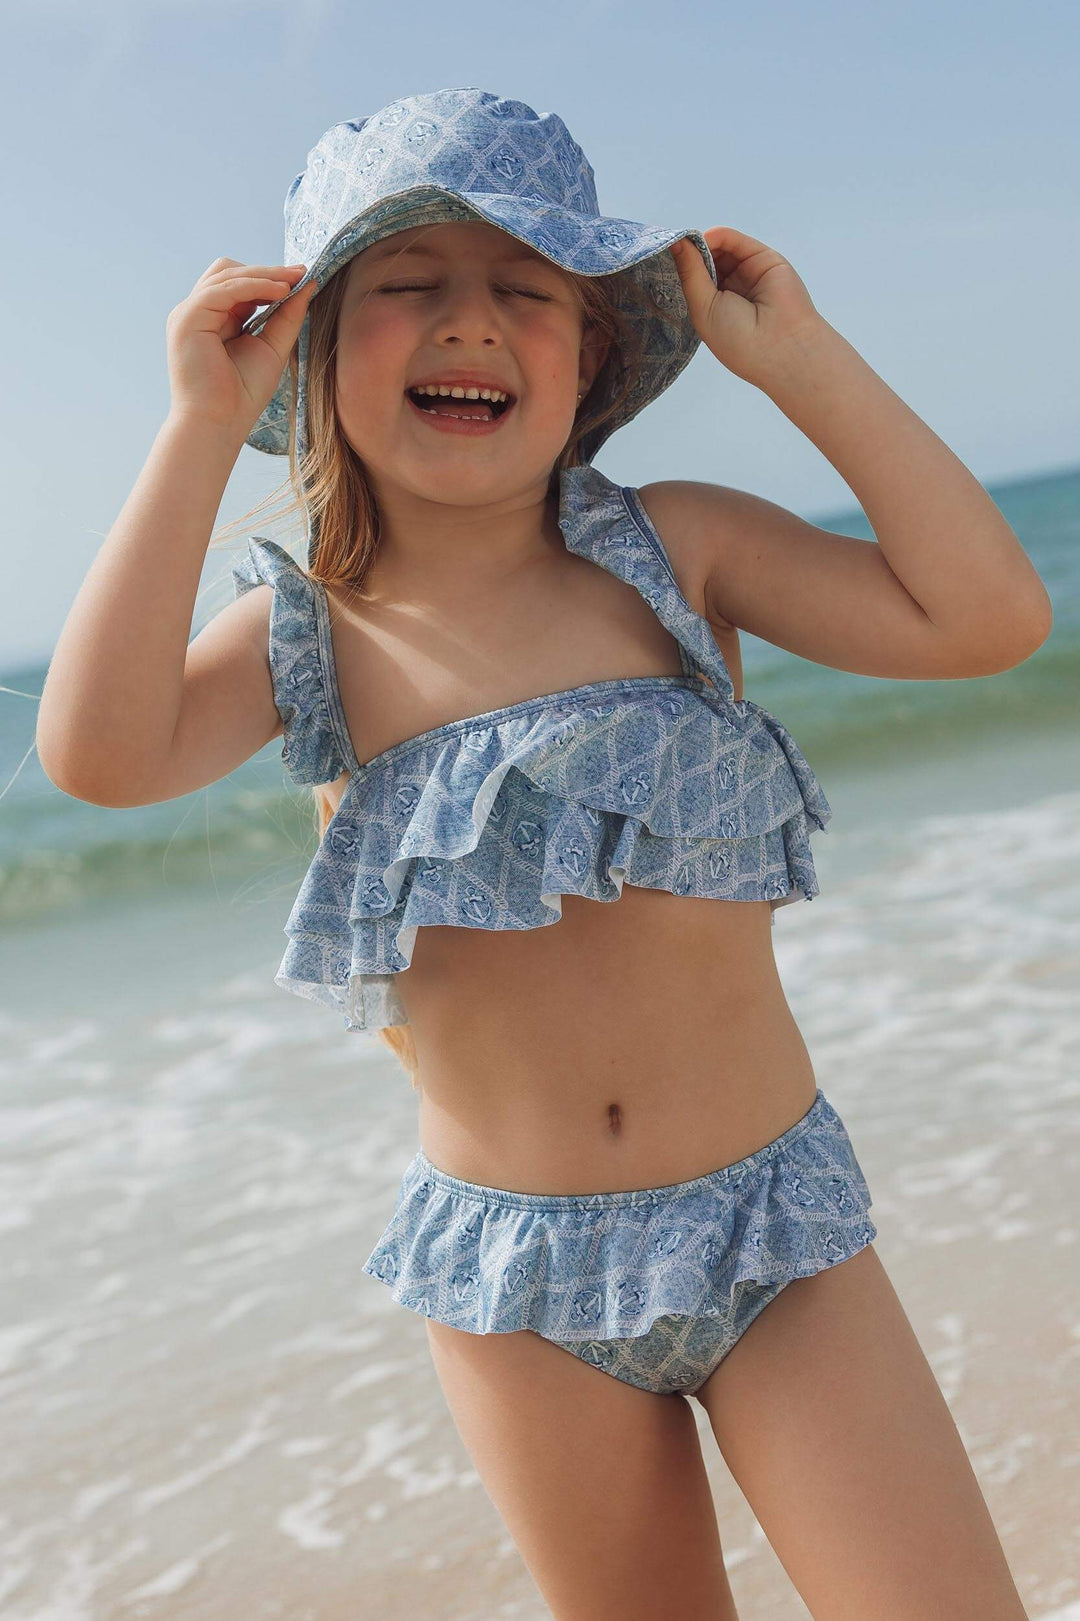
468 154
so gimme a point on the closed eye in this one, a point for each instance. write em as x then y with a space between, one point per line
424 287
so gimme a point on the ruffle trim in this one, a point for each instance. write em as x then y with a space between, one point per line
312 749
489 827
325 963
607 1265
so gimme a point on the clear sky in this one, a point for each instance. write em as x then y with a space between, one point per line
916 163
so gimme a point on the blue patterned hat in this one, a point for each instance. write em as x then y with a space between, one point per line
467 154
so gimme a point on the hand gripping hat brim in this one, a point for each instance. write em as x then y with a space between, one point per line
467 154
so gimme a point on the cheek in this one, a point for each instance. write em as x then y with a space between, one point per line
370 363
555 348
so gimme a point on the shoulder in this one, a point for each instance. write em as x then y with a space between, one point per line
696 522
692 520
251 610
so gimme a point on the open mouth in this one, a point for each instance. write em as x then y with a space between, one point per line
460 410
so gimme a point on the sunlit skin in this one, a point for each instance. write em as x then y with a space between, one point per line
456 507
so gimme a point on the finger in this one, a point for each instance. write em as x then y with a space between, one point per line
280 329
296 301
691 266
228 267
223 295
206 306
741 260
728 240
218 264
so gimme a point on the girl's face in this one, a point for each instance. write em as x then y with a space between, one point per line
465 298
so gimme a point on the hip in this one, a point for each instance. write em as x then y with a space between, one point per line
653 1285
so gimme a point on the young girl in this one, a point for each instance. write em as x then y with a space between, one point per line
555 833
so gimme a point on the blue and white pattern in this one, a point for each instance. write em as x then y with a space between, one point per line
652 1285
663 782
468 154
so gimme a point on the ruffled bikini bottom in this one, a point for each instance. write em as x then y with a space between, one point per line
651 1285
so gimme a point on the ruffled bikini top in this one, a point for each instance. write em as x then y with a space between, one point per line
665 782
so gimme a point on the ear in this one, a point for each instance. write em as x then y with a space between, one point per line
594 351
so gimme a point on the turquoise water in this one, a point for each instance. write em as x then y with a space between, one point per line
859 733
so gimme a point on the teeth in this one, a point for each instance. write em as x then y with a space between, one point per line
456 392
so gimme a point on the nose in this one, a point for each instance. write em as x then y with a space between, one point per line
468 314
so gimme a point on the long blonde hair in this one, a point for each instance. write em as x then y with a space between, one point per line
333 487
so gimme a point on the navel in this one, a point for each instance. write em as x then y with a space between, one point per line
614 1119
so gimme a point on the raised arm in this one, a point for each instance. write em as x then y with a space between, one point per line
946 591
131 714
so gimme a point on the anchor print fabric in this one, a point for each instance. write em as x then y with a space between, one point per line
663 782
653 1285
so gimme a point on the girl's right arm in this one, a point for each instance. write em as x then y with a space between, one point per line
130 713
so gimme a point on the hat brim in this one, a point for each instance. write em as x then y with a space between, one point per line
586 246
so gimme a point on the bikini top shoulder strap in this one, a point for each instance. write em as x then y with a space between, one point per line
607 523
315 748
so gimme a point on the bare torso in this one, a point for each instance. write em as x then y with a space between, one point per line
630 1043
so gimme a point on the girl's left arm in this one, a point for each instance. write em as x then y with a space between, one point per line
947 590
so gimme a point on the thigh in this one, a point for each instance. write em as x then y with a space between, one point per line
601 1485
830 1419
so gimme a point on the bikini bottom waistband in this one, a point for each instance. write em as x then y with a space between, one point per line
820 1112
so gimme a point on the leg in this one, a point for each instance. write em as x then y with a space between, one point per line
601 1485
830 1419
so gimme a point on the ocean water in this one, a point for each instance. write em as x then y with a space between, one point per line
253 828
208 1410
